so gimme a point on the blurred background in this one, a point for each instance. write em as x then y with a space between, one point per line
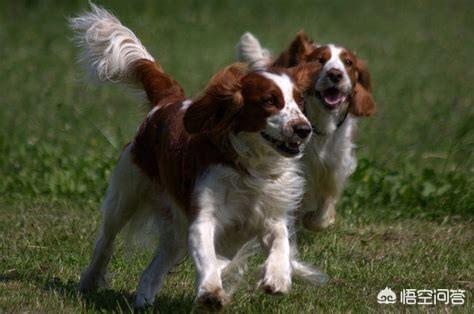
59 137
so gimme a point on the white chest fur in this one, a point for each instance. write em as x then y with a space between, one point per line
243 204
329 159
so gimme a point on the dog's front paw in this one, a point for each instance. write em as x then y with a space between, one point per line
212 299
275 284
91 281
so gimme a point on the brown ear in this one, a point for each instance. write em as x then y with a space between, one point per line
222 99
304 76
363 75
362 104
296 53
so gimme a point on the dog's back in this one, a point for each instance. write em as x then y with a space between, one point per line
219 168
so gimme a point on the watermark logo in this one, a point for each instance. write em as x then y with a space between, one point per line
423 296
386 296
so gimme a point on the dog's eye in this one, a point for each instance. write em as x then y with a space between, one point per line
270 101
322 60
348 62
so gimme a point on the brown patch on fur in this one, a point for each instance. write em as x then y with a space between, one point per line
364 75
320 54
219 102
262 99
171 157
174 147
350 60
297 52
362 102
158 86
234 100
305 75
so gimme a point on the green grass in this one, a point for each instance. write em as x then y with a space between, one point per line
404 221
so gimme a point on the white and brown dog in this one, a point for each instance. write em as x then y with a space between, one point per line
338 97
216 171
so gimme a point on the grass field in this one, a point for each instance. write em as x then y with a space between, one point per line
405 219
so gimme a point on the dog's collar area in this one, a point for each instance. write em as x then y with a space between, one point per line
230 155
321 133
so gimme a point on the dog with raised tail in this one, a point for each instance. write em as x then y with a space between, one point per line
337 98
215 171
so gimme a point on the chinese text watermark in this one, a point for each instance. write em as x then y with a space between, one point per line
423 296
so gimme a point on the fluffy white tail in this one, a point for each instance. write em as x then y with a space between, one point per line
250 51
108 48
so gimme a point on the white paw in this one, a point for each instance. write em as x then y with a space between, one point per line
275 284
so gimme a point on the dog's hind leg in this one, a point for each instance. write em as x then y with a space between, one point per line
94 276
323 217
121 201
171 249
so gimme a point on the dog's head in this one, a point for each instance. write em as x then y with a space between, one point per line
264 106
344 79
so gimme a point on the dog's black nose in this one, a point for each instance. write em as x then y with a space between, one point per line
335 75
303 130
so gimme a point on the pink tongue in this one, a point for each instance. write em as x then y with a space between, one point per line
333 98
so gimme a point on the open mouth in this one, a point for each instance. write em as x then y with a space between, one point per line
287 149
332 97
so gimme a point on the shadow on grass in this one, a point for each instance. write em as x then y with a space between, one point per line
107 300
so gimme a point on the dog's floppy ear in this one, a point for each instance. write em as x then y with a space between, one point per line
222 99
297 52
304 75
362 104
363 75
